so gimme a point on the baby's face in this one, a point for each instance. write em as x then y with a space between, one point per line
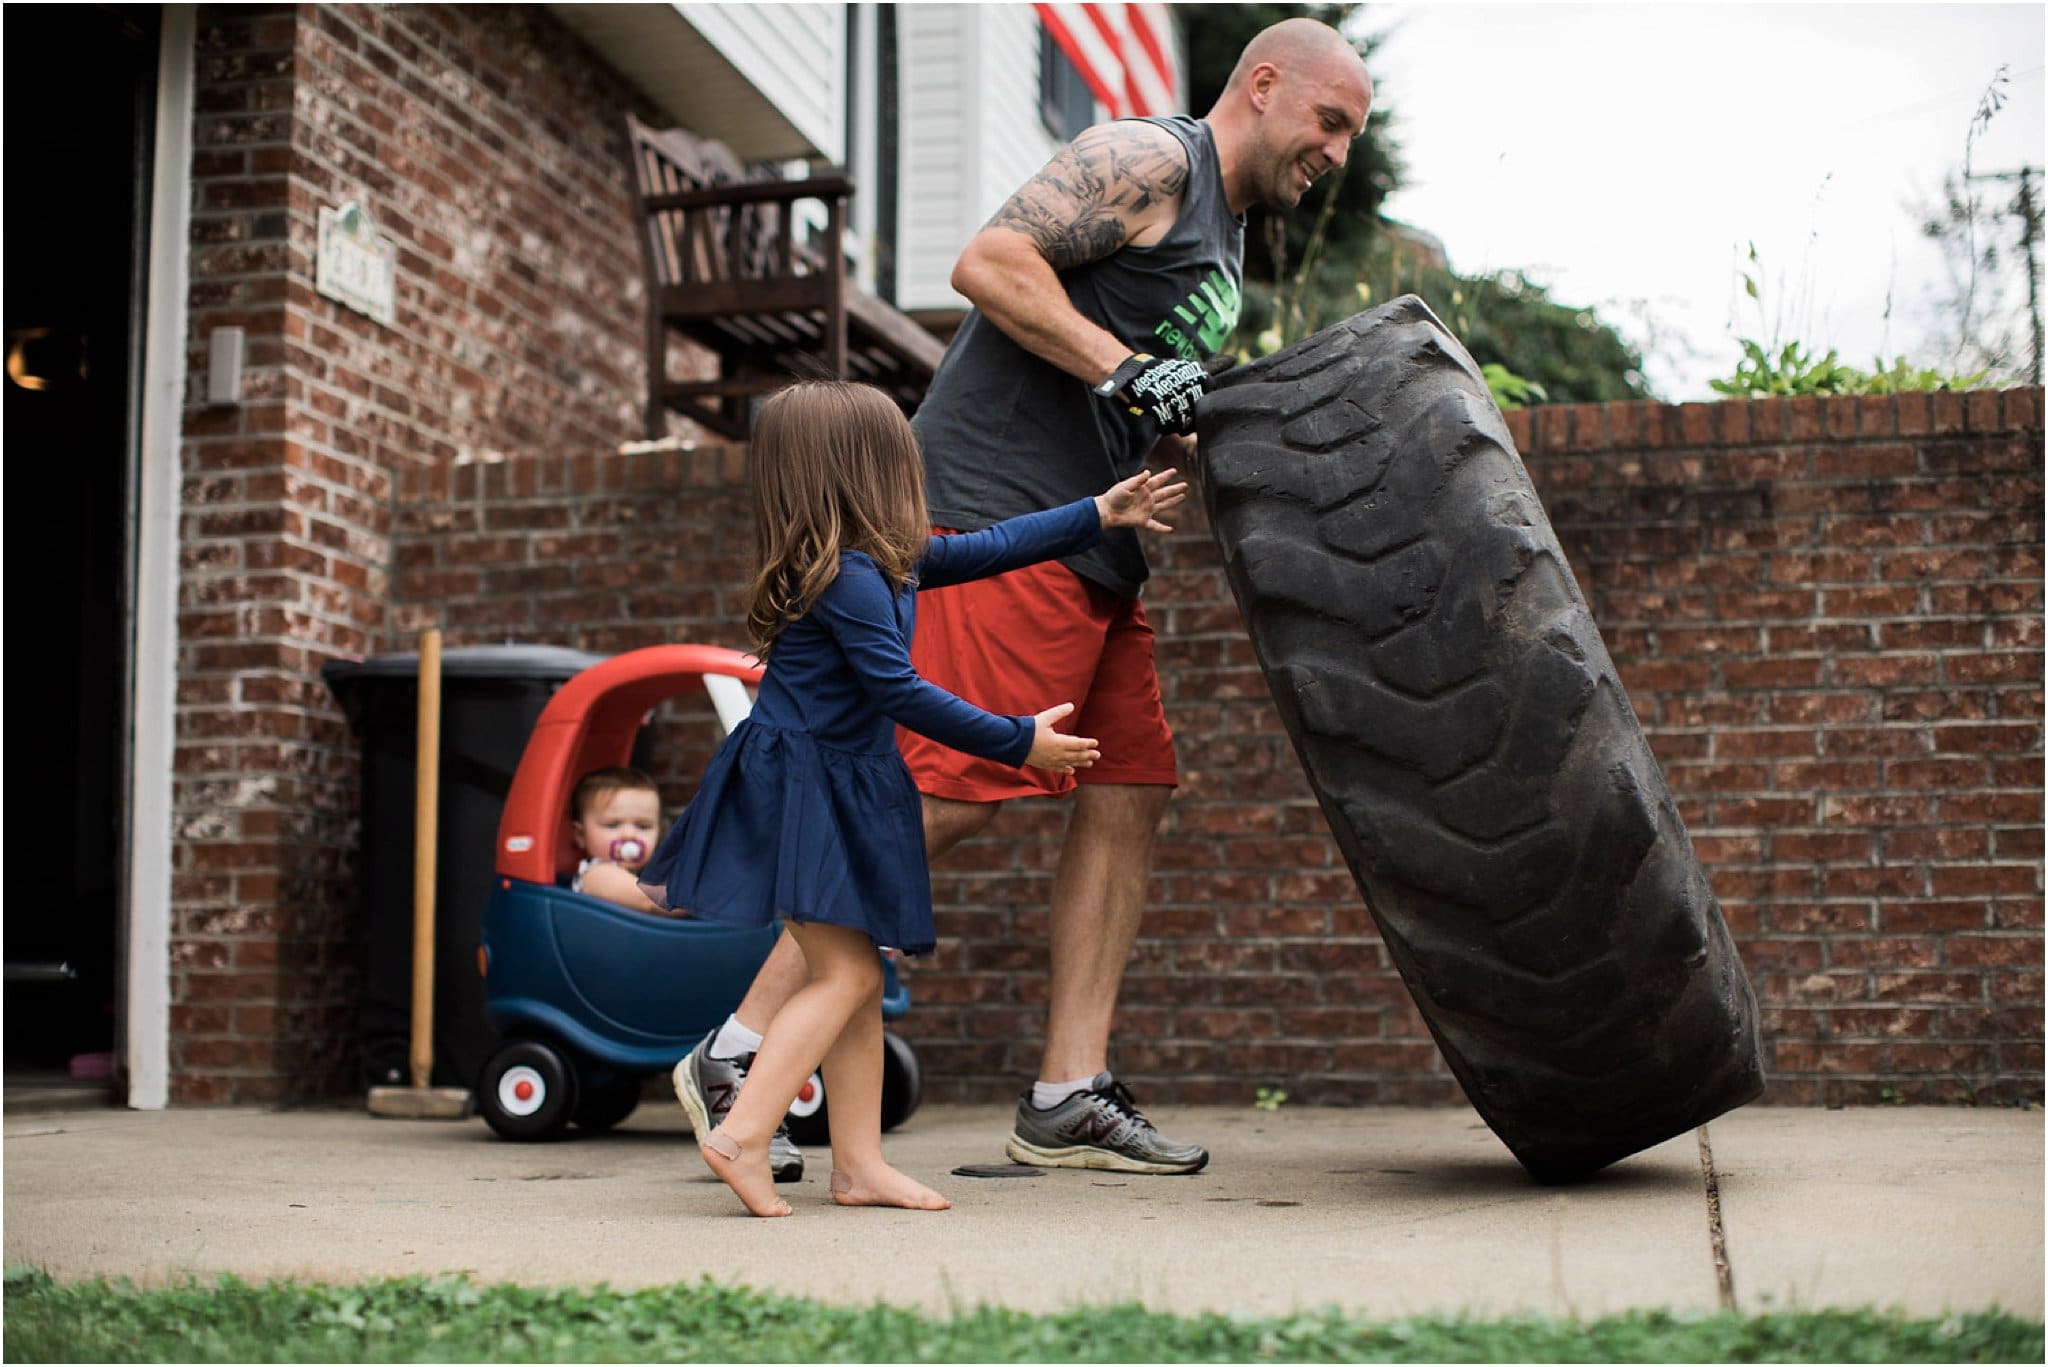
622 814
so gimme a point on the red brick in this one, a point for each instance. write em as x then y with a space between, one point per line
1887 951
1945 1059
2023 409
1982 411
1909 917
1864 1022
1967 879
1882 671
1947 842
1948 413
1992 667
1867 462
1799 1057
1993 951
2002 1022
1822 846
2016 913
1791 709
1781 673
1759 811
1825 567
1804 418
1930 987
1990 807
1837 919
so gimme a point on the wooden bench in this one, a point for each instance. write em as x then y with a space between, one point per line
725 269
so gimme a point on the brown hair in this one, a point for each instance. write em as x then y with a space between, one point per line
598 782
834 466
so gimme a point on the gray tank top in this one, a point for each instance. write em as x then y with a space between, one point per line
1006 433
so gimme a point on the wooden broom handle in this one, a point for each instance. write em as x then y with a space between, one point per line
426 807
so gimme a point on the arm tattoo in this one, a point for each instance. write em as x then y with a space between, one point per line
1085 203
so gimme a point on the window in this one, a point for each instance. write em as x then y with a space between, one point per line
1064 100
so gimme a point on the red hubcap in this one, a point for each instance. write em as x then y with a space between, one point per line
807 1093
523 1090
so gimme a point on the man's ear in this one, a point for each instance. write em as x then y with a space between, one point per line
1259 89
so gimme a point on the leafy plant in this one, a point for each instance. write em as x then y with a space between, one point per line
1270 1098
1794 370
1791 371
1509 389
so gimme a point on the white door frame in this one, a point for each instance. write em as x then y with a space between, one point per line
153 637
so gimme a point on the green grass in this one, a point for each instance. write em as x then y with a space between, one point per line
416 1320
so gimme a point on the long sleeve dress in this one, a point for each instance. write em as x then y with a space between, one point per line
807 811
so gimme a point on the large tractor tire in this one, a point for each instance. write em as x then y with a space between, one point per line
1464 729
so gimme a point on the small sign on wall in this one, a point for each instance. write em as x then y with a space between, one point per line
357 265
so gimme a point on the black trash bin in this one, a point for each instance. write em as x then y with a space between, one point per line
491 698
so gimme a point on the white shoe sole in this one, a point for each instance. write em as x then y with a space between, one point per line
693 1103
1089 1156
699 1111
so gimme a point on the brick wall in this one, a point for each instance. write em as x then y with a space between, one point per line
1828 614
484 141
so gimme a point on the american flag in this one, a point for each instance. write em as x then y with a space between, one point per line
1123 52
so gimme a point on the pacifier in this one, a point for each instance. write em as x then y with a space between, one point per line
627 850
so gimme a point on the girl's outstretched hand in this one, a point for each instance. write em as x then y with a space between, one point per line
1059 753
1139 500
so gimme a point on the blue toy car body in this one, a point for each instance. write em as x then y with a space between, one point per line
594 998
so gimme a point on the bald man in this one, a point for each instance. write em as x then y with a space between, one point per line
1097 291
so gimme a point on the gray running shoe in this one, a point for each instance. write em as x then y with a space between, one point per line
708 1086
1098 1127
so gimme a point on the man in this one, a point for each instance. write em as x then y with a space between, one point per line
1096 290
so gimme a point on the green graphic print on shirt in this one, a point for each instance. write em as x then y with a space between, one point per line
1206 320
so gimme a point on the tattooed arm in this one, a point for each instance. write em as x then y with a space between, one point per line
1117 185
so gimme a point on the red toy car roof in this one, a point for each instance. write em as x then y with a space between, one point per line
589 724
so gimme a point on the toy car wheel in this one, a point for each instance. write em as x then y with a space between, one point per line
902 1081
527 1091
806 1119
601 1106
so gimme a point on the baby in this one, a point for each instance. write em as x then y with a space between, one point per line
614 817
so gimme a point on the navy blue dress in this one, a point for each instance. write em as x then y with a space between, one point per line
807 811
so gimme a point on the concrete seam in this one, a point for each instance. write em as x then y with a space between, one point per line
1717 1234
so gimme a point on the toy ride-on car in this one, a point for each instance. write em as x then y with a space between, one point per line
593 998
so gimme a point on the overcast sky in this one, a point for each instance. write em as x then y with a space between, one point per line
1625 155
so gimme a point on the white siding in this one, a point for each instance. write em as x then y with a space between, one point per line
795 55
935 135
970 134
1014 142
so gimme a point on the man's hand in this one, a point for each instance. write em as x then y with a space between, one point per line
1059 753
1138 501
1163 388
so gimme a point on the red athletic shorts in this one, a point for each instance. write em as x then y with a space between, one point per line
1028 640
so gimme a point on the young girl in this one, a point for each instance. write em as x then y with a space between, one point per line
807 812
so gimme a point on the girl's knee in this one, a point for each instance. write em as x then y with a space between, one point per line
863 980
843 961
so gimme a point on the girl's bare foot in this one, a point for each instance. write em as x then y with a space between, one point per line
745 1171
882 1185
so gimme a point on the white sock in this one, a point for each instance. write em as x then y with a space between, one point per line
1046 1095
734 1039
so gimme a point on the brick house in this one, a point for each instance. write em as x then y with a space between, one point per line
1828 612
